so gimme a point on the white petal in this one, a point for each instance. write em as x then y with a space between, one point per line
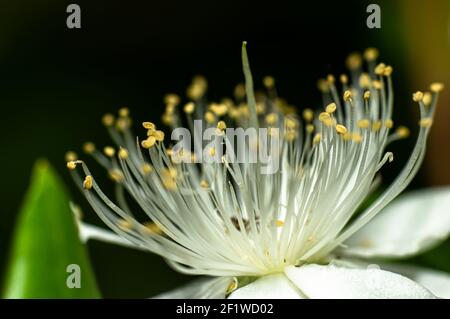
275 286
409 225
215 288
332 282
438 282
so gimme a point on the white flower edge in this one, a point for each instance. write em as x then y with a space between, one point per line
334 282
411 224
437 282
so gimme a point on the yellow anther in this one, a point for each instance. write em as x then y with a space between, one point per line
427 98
124 224
317 138
271 118
402 131
364 80
426 122
149 126
159 135
417 96
290 123
71 165
308 115
379 69
147 168
88 182
341 129
363 123
324 116
212 151
220 109
269 82
239 91
354 61
376 125
88 147
123 123
330 79
153 228
168 178
71 156
356 137
387 70
343 78
309 128
221 125
348 96
330 108
377 84
116 175
149 142
123 153
290 135
322 85
260 108
209 117
279 223
189 108
124 112
389 123
204 184
109 151
171 99
436 87
108 120
366 95
370 54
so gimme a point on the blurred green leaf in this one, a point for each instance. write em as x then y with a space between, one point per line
46 243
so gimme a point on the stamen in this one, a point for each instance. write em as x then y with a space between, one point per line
348 96
436 87
331 108
189 108
71 156
418 96
71 165
308 115
371 54
109 151
88 147
88 183
341 129
269 82
108 120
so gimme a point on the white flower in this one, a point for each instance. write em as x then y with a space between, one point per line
291 234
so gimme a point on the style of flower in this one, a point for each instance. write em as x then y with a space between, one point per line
295 233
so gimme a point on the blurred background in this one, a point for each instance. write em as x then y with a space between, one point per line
56 83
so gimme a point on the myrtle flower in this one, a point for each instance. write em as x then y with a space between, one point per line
295 232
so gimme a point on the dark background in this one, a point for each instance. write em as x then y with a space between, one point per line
55 83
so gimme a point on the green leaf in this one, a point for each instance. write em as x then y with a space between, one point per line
46 243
